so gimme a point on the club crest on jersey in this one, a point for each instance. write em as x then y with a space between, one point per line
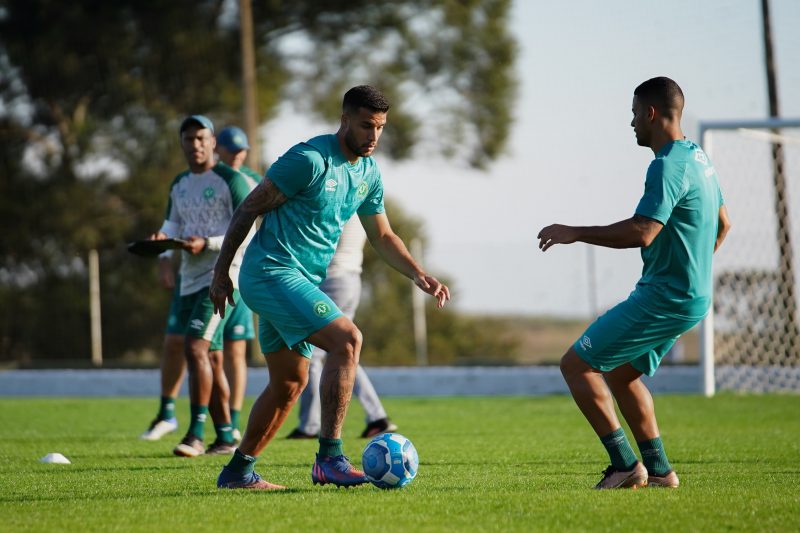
700 157
362 189
322 309
208 193
330 185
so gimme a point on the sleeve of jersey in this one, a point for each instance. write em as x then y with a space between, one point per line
295 170
661 192
373 203
240 188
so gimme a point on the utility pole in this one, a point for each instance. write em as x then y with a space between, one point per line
418 306
96 329
786 283
249 87
250 111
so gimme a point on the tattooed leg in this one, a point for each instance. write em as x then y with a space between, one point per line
342 341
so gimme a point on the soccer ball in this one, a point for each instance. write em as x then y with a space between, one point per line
390 461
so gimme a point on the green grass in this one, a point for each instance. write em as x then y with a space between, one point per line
486 464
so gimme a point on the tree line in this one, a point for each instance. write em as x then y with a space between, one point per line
91 94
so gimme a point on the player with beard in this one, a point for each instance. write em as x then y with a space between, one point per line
306 198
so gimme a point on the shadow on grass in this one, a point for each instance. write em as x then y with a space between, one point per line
183 494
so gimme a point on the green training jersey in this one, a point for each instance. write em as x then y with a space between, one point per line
682 192
250 173
324 192
202 205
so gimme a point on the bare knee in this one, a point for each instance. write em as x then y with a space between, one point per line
289 385
294 387
572 365
196 352
349 347
216 358
623 378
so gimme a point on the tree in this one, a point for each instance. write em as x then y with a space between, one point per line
91 94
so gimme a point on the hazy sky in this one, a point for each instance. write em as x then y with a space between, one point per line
572 156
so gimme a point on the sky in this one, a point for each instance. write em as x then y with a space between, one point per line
572 157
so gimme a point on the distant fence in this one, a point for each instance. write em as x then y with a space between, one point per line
388 381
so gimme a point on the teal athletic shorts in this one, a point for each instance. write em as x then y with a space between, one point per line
238 323
290 308
629 333
173 328
195 318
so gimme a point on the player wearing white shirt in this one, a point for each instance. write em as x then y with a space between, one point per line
201 203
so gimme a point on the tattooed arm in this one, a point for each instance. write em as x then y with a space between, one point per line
265 197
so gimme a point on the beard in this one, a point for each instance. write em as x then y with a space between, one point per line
353 146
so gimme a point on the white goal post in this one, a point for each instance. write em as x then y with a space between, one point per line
749 341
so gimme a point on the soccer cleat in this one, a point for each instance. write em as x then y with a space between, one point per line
669 480
623 479
298 434
190 446
229 480
221 448
159 428
382 425
237 435
336 470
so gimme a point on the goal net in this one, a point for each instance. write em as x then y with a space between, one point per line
751 341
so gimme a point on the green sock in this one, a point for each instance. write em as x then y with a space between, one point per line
330 447
167 409
198 424
654 457
224 433
235 418
242 463
619 450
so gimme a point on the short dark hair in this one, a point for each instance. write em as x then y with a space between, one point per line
365 96
663 94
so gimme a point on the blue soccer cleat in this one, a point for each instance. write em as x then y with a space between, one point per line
336 470
231 480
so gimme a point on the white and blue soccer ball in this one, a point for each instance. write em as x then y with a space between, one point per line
390 461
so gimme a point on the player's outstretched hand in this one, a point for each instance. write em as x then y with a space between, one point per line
221 292
556 234
433 287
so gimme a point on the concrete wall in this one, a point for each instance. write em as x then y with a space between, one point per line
388 381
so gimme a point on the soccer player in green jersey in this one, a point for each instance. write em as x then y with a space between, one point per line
306 198
232 148
679 223
201 203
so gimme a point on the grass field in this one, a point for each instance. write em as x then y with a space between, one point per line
486 464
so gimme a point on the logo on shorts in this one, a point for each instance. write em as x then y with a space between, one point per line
322 309
238 329
362 189
586 343
196 324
